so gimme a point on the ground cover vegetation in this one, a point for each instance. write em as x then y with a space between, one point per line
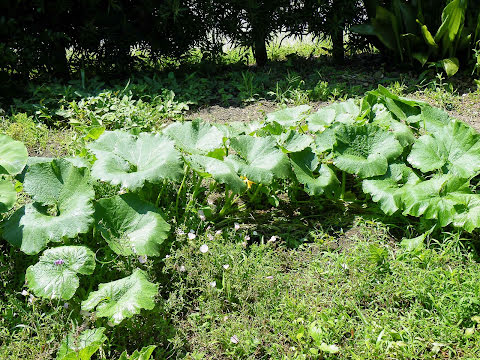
320 210
198 251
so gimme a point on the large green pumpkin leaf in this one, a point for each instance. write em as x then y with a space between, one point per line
433 119
223 172
54 276
83 346
325 141
8 195
63 210
130 161
387 189
402 108
384 119
306 165
436 198
365 150
344 112
467 210
56 181
455 149
293 141
121 299
289 117
144 354
130 225
236 128
13 156
258 159
195 137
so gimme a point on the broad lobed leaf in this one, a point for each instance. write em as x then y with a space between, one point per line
130 161
54 276
121 299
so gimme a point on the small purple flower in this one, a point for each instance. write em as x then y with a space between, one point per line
59 262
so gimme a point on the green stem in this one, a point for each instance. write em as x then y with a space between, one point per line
344 180
160 193
228 199
257 190
180 189
194 193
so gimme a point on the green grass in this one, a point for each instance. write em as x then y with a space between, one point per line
351 285
365 294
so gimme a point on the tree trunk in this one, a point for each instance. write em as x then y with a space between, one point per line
59 61
337 26
260 49
338 50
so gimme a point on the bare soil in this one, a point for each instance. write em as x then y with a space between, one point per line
253 112
465 108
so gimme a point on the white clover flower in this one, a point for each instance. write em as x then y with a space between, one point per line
269 277
272 239
247 237
182 269
31 299
234 339
204 248
213 284
25 293
218 232
201 215
210 237
191 235
226 266
142 259
180 232
236 226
